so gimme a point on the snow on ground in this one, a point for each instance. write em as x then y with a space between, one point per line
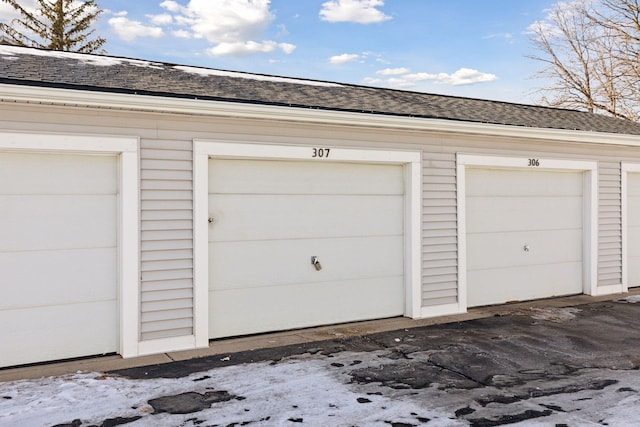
317 390
269 395
631 299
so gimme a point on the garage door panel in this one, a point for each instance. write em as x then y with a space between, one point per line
271 217
58 256
522 283
263 217
240 312
633 205
633 184
29 173
497 182
42 278
274 263
634 272
57 222
508 209
633 234
62 331
633 229
497 250
518 213
274 177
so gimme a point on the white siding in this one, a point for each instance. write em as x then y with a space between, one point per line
166 298
610 225
166 173
440 244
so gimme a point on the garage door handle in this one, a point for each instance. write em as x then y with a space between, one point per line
316 263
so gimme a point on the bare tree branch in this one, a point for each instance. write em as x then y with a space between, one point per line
590 51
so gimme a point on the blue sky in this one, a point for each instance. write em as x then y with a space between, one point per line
473 48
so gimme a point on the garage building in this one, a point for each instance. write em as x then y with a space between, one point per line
149 207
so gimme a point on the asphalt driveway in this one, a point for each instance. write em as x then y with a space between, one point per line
547 366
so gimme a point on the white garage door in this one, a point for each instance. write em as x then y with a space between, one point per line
524 235
633 229
272 217
57 256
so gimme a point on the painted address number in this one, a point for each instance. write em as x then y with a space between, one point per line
534 162
320 153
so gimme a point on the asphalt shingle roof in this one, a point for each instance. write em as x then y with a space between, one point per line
26 66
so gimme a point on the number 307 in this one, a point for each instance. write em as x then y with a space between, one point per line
321 152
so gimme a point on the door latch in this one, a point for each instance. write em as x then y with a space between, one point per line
211 220
316 263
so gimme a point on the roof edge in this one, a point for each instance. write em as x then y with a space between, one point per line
147 103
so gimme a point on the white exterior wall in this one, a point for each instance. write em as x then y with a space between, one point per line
166 195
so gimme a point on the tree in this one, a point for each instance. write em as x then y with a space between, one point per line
591 55
56 24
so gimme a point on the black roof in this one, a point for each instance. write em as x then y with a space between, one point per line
34 67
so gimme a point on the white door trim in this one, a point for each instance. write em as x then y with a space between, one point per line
590 210
625 169
204 149
126 148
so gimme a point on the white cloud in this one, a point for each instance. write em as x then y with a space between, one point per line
564 11
400 82
282 30
249 47
171 6
402 78
8 13
416 77
359 11
464 76
129 30
182 34
228 21
344 58
287 48
233 27
393 71
162 19
508 37
372 81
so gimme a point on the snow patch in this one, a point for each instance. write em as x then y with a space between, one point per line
631 299
11 52
558 315
315 390
219 73
268 394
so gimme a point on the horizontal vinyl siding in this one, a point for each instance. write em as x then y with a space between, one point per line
610 225
166 230
439 224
